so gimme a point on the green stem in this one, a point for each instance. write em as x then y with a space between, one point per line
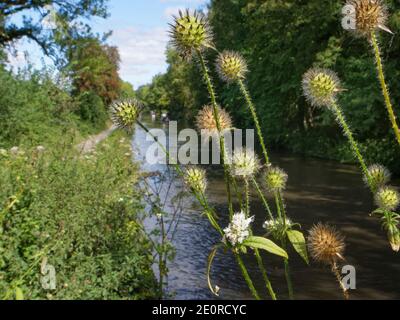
384 87
217 121
265 275
343 123
247 197
282 216
253 111
200 197
246 277
263 199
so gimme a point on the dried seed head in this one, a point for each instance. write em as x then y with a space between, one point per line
231 66
326 245
239 229
370 15
379 176
320 87
387 198
196 180
190 32
206 121
125 113
276 179
245 163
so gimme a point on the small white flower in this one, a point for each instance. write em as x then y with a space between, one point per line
276 225
239 229
40 149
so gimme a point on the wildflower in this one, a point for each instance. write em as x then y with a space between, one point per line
277 228
326 245
124 113
239 229
195 179
320 87
370 15
14 151
40 149
245 163
387 198
206 121
231 66
276 179
190 32
379 176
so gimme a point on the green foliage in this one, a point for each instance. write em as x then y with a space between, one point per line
92 109
281 40
80 213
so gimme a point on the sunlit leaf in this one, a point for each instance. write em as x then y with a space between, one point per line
265 244
299 243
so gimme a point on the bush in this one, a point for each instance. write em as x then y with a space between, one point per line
78 213
92 109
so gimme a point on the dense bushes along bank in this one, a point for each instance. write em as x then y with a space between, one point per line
58 207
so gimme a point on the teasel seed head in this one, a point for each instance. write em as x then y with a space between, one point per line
125 113
387 198
206 121
245 163
370 15
326 244
379 176
275 179
190 31
196 180
320 87
231 66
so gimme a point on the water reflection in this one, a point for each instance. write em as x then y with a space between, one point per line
318 191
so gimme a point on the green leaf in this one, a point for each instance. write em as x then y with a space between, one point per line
19 295
265 244
299 243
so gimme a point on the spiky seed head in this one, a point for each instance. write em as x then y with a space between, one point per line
393 233
196 180
379 176
190 31
275 179
370 15
205 120
320 87
326 244
244 163
125 113
231 66
387 198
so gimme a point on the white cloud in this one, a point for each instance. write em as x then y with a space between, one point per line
142 52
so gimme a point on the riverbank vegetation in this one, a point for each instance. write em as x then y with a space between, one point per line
280 40
70 217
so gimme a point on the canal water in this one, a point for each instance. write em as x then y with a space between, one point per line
317 191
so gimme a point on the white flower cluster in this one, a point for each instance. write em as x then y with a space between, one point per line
239 229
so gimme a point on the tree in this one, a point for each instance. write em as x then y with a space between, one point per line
68 17
94 67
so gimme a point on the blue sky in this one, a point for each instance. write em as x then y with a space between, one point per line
139 31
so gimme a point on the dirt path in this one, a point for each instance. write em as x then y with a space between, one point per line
89 144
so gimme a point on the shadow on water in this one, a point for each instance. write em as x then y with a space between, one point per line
318 191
